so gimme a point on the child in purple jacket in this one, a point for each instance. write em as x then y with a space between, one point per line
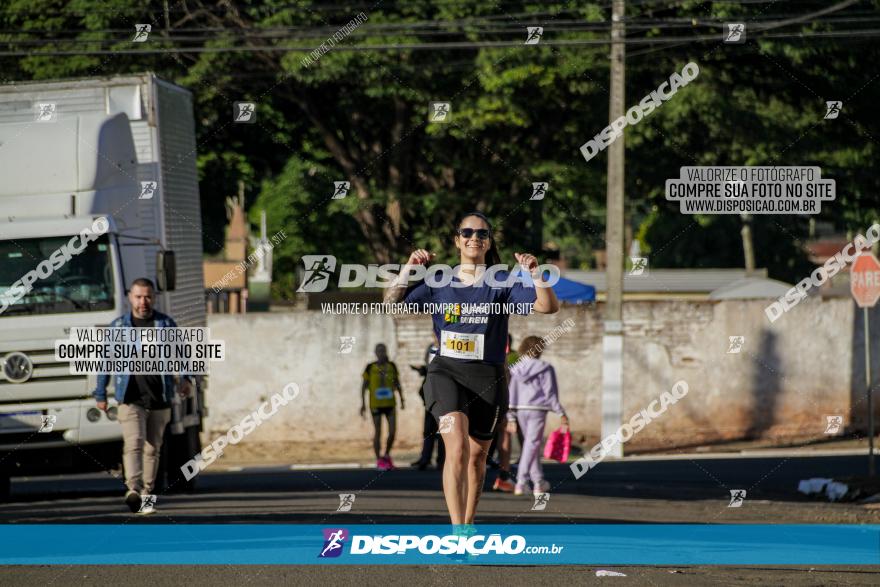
533 393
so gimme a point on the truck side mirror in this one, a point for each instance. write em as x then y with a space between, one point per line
166 271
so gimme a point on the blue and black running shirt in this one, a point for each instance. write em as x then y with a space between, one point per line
471 321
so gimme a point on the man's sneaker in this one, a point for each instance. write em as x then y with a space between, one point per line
542 486
503 485
133 500
519 490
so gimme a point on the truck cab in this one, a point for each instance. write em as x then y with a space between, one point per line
77 225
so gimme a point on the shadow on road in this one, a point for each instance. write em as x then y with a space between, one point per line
674 479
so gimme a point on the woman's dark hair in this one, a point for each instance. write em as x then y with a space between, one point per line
492 256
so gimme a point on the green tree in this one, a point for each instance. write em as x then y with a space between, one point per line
519 115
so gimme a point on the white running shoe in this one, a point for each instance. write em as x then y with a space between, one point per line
542 486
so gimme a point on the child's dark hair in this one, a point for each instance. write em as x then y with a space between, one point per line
531 346
492 256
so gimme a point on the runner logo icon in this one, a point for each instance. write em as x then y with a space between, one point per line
244 112
534 35
141 32
319 268
736 32
446 423
346 500
148 188
539 190
833 109
47 113
346 344
639 264
439 112
834 424
47 423
334 540
148 504
736 344
340 189
737 497
541 500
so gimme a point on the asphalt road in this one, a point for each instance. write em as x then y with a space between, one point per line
686 489
409 576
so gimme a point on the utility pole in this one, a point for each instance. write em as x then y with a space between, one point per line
748 248
612 342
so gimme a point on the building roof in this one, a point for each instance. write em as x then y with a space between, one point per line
667 282
820 250
751 288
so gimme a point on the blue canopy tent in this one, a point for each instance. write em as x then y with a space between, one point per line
572 292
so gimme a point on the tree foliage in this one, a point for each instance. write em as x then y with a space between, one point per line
518 115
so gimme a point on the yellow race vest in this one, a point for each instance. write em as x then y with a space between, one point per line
381 381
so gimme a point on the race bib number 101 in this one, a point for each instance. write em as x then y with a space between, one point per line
461 345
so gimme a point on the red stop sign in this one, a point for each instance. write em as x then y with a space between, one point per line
865 280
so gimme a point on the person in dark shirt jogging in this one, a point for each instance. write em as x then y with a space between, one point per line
144 401
466 388
502 441
429 429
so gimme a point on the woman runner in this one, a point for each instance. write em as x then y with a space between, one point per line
465 388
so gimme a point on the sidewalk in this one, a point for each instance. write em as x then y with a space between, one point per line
360 455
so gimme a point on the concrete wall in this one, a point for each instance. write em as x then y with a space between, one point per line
787 378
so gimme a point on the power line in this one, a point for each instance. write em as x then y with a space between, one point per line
789 21
451 25
367 31
259 34
246 36
349 7
313 8
865 34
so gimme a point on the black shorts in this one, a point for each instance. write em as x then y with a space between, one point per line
479 390
387 411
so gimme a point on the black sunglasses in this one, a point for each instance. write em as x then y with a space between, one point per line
482 233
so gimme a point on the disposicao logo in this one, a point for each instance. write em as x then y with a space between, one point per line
334 540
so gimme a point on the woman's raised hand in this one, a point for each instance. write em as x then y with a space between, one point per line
420 257
527 261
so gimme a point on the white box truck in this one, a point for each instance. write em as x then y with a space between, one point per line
124 149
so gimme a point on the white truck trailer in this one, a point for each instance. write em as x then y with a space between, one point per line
120 148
